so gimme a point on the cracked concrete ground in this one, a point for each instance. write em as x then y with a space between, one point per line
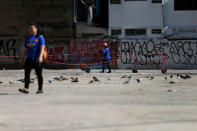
150 104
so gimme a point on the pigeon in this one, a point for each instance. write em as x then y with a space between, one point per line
151 78
63 78
127 82
1 82
183 77
31 81
169 90
177 75
166 78
21 80
96 79
57 79
129 76
10 82
50 81
75 80
72 78
124 76
172 82
138 80
92 81
108 79
188 76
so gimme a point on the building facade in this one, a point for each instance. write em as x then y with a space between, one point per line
153 18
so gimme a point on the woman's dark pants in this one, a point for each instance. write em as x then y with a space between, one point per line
29 65
106 63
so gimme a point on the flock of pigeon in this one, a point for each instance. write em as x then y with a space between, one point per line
95 79
182 76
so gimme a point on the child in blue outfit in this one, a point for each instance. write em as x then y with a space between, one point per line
106 58
33 56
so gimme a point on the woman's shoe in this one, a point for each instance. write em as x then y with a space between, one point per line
39 92
25 91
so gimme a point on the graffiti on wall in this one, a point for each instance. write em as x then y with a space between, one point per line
56 54
81 52
176 52
88 51
8 48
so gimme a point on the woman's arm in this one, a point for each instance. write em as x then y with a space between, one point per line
41 54
24 55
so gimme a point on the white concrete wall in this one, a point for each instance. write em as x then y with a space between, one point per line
179 18
135 14
130 14
145 14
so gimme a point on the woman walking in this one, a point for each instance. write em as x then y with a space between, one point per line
33 57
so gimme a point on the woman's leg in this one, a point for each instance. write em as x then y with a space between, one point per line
109 67
103 65
28 68
38 69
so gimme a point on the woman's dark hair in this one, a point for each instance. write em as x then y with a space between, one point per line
38 29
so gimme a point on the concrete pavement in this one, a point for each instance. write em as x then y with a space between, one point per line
109 105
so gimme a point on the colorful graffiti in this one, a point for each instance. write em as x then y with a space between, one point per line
81 52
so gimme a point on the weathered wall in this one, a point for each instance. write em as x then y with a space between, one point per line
62 52
54 16
180 54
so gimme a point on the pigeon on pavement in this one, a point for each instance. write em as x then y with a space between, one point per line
63 78
184 76
50 81
129 76
138 80
75 80
10 82
172 82
57 79
127 82
21 80
124 76
96 79
92 81
188 76
151 78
